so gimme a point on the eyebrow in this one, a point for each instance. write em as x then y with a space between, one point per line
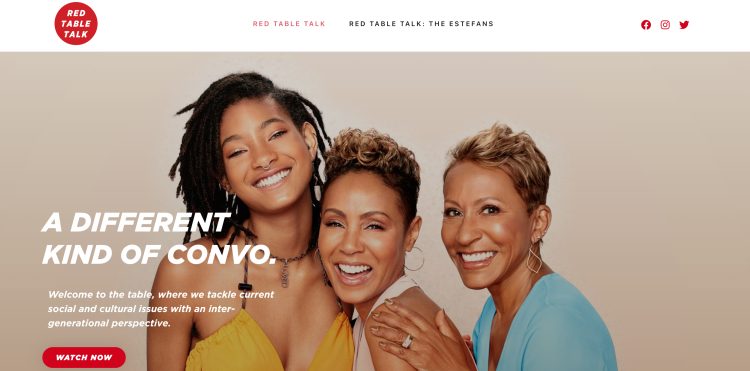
262 126
229 139
451 202
269 122
365 215
371 213
335 211
479 201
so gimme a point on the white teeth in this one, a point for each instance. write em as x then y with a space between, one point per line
475 257
273 179
353 269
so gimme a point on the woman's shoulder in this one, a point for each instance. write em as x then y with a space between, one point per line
559 320
171 275
415 299
554 296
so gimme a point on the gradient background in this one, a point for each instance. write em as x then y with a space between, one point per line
648 153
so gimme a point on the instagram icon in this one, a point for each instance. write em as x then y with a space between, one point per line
664 25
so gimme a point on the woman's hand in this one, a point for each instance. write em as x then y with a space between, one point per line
431 349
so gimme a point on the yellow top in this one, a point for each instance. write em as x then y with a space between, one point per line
242 345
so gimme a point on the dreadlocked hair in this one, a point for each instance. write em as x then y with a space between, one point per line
200 162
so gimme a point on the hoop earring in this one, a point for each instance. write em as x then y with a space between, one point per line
531 252
316 183
420 267
320 262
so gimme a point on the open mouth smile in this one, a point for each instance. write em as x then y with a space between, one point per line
353 275
477 260
272 179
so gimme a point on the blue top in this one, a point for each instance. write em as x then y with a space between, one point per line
556 328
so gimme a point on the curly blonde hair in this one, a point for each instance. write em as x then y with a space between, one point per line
514 153
356 151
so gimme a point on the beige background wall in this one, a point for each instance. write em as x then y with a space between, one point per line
648 153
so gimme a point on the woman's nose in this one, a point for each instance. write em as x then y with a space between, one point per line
468 232
351 244
263 157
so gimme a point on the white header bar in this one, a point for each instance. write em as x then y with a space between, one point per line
295 25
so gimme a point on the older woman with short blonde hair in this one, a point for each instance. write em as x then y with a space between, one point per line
495 215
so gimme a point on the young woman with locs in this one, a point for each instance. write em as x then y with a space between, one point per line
253 150
495 216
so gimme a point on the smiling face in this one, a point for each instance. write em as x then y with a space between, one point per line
267 160
486 227
363 239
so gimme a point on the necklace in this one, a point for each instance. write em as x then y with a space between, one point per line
284 268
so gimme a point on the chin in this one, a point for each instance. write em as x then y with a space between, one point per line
477 281
353 293
352 296
279 202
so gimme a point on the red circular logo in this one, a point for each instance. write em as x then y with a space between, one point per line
76 23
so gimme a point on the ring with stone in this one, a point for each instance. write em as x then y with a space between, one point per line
407 342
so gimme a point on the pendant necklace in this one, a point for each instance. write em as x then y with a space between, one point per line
285 267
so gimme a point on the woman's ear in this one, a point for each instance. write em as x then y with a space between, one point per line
224 183
311 139
413 232
541 220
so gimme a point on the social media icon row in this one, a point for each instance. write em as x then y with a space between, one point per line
664 25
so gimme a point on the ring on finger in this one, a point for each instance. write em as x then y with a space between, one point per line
407 342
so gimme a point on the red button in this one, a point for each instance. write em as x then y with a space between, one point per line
84 357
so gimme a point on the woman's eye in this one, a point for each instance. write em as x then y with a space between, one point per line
334 224
490 210
374 226
450 213
235 153
278 134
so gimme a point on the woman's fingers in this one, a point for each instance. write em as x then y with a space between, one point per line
386 333
469 343
396 322
423 360
409 314
407 355
441 320
449 330
431 349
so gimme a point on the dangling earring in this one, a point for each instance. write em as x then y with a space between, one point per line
316 183
528 265
421 254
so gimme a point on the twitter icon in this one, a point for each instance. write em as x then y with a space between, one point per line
683 25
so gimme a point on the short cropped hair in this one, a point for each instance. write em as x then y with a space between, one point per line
514 153
356 151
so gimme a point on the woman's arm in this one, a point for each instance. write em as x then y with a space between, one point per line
434 349
168 347
382 360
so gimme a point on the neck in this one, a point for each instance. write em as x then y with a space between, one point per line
286 233
510 293
364 308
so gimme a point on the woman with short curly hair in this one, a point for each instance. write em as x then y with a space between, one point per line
368 223
495 215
